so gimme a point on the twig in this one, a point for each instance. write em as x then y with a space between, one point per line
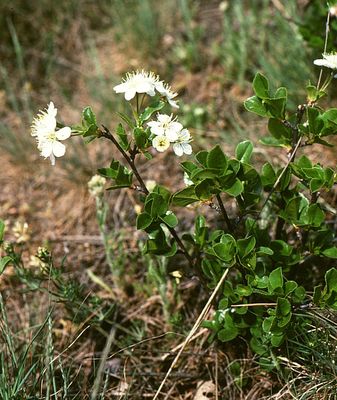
192 332
279 178
224 213
102 365
254 305
327 28
164 357
216 378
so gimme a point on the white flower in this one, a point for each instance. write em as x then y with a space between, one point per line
161 143
44 129
137 82
166 126
165 90
44 119
150 184
182 144
328 60
96 185
187 180
333 11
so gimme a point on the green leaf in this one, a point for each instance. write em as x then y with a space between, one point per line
229 331
89 116
204 173
281 93
235 189
261 86
271 141
331 252
265 251
2 230
276 278
185 197
116 171
315 123
4 261
90 131
201 230
289 287
268 175
255 105
170 219
314 94
244 151
276 106
123 139
317 295
189 167
304 162
155 205
150 110
204 190
126 119
140 137
143 220
216 159
283 307
243 290
278 130
225 250
330 117
316 184
276 340
298 295
202 156
246 246
331 280
315 215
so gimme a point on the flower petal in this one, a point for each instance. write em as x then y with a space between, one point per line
63 133
52 111
52 159
46 148
58 149
187 148
321 62
172 103
130 94
172 135
178 149
120 88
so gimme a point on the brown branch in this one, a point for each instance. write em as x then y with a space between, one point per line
224 213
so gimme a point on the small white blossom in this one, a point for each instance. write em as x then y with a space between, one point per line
96 185
182 145
44 120
44 129
137 82
187 180
333 11
165 90
328 60
150 184
161 143
166 126
21 231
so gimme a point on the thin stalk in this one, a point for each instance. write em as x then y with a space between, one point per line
327 28
224 213
108 135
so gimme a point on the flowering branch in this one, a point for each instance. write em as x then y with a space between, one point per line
108 135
